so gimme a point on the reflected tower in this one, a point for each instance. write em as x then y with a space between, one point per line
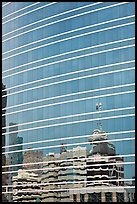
15 157
4 104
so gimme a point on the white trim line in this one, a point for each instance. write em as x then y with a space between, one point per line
28 12
70 160
69 101
62 40
69 11
69 116
70 80
68 138
68 123
54 22
67 167
48 18
74 189
72 58
72 94
74 51
69 182
6 4
71 31
69 73
72 144
20 10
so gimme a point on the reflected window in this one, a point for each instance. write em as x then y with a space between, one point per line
74 198
97 197
108 197
90 197
94 197
81 197
120 197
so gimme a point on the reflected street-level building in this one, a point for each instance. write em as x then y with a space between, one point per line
68 101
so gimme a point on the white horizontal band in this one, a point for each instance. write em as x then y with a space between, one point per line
71 31
67 167
68 59
54 22
68 116
69 80
20 10
67 123
69 101
67 145
68 138
71 94
48 18
81 14
28 12
68 182
70 52
69 73
75 189
6 4
70 160
62 40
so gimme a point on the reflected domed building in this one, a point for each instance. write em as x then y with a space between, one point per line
104 148
103 162
104 172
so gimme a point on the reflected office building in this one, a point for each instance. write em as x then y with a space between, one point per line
68 70
14 155
105 171
4 176
74 175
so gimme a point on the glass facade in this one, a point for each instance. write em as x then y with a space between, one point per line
68 72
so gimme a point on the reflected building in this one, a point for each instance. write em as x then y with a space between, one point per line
33 158
4 176
28 177
63 171
105 171
4 104
93 175
16 143
50 177
101 160
29 190
130 192
14 158
72 171
74 175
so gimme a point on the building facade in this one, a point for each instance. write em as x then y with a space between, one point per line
103 162
4 177
15 149
72 176
69 69
34 158
29 190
